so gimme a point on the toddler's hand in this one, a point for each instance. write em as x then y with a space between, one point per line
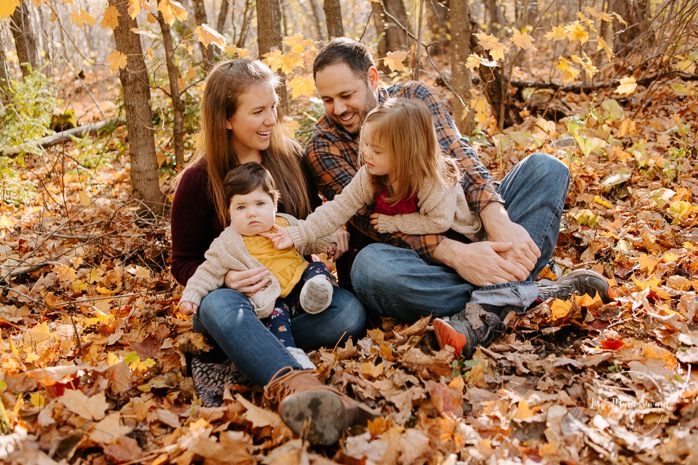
188 308
281 238
374 220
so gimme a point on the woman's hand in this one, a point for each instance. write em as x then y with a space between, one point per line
281 238
249 281
188 308
374 220
339 245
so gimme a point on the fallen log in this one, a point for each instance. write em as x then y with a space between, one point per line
64 136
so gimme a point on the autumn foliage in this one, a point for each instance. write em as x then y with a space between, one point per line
93 349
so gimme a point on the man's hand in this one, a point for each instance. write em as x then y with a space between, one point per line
523 253
479 263
249 281
188 308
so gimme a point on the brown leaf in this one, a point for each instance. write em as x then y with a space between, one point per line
448 401
125 449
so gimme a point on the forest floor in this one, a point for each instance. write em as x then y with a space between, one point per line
92 349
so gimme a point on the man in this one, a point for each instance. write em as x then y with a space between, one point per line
439 274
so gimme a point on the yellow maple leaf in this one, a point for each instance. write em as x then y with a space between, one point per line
586 64
651 283
7 7
81 18
627 86
577 31
65 273
110 18
6 222
586 300
647 262
37 400
134 7
116 60
89 408
172 10
395 60
298 44
473 62
302 85
560 309
569 72
602 45
523 41
209 36
274 60
490 43
291 60
523 411
556 33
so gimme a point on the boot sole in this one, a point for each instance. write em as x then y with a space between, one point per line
317 416
447 336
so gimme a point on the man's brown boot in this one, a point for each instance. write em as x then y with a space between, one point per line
311 409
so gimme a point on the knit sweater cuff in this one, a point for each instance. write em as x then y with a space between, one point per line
322 244
190 296
386 224
295 234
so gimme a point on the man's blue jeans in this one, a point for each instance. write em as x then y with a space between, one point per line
397 282
228 317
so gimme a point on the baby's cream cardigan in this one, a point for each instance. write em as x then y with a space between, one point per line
228 252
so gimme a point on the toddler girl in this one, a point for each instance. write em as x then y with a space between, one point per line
415 188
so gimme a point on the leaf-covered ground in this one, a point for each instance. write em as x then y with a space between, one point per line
92 350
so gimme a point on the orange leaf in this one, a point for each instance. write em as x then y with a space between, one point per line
612 345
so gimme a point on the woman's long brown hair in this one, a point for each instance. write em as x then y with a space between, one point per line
224 85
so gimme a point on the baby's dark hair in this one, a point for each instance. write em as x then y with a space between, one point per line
247 177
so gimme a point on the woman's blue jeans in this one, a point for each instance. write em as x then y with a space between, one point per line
397 282
230 320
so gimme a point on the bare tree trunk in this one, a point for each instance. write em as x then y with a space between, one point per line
438 24
25 39
318 19
4 77
496 23
207 53
175 96
222 15
636 15
460 50
269 38
139 118
392 37
246 14
333 17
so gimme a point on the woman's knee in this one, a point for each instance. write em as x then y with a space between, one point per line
223 302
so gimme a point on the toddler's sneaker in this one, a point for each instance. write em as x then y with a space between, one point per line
316 294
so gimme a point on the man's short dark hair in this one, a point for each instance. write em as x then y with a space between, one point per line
343 50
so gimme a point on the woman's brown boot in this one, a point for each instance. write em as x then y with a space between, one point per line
311 409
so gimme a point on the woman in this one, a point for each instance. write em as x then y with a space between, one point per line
239 125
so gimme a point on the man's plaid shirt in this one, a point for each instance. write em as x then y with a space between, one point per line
333 157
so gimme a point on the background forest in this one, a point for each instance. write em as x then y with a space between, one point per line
99 111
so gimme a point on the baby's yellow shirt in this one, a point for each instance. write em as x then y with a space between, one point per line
286 265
